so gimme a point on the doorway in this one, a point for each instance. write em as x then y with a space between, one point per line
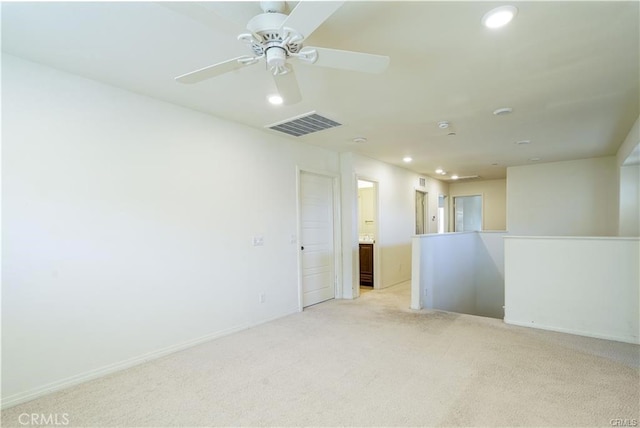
421 212
367 234
317 238
441 214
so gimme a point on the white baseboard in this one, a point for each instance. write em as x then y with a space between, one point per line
49 388
625 339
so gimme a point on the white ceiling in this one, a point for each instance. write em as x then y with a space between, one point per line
569 70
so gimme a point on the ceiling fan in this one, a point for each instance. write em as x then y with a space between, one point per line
278 38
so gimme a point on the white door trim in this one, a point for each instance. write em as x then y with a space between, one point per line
337 230
427 224
452 209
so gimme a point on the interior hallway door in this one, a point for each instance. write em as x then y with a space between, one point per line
317 238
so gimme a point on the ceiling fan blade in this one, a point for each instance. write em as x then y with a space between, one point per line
288 89
308 15
347 60
214 70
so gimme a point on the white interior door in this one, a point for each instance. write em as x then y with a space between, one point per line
317 238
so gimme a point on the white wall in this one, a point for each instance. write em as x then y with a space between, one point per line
489 274
494 200
459 272
630 143
446 271
628 159
629 224
128 227
434 188
396 218
585 286
366 212
572 198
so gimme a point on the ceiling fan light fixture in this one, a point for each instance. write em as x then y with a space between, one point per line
499 17
276 58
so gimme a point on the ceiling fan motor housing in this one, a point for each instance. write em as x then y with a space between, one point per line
273 6
267 27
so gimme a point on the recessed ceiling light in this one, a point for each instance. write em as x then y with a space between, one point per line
502 111
407 159
454 177
443 125
439 171
534 159
275 99
359 140
499 17
523 142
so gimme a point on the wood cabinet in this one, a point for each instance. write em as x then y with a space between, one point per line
366 265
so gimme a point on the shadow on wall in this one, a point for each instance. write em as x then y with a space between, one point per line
395 261
460 272
489 276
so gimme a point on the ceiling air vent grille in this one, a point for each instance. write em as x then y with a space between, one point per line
305 124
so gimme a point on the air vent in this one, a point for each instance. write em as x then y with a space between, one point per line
423 182
303 125
465 177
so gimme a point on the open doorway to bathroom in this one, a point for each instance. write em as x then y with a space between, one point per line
367 234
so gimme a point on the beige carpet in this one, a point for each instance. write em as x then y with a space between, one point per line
369 362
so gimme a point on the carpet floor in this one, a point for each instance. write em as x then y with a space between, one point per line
366 362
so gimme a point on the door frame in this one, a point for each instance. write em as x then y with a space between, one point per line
426 220
376 246
337 230
452 209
